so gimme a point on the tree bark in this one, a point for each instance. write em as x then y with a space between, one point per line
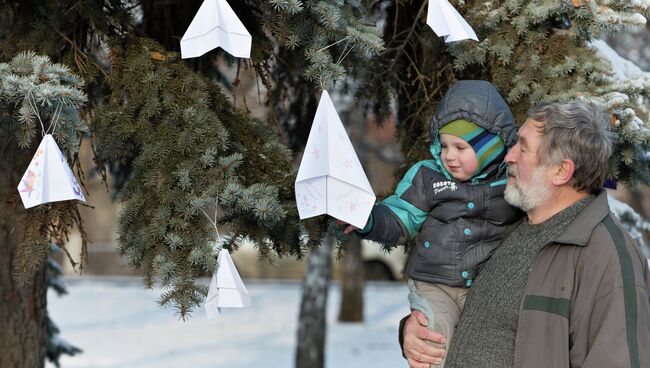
23 310
352 283
312 324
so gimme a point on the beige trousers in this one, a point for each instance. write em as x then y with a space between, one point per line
447 303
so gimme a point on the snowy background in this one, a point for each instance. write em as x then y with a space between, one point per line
117 323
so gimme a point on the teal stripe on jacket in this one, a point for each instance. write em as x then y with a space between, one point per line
411 217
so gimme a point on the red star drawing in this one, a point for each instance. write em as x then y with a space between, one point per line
316 153
353 206
348 163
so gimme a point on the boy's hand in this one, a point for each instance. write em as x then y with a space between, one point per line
348 229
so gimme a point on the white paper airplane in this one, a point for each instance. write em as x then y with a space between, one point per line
448 23
214 25
330 178
48 177
226 288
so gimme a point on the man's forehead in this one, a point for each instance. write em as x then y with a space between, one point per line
531 128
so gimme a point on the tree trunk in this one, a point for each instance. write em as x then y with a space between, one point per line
23 310
311 324
23 313
352 283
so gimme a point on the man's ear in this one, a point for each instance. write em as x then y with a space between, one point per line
564 172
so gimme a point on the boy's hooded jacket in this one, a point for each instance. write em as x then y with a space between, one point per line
456 225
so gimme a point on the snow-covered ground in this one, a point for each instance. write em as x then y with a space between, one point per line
117 323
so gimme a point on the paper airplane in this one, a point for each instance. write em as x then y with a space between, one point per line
48 177
330 178
226 288
448 23
214 25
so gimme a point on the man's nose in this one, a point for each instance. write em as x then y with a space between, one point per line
510 156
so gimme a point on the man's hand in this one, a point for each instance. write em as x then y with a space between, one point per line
348 229
417 351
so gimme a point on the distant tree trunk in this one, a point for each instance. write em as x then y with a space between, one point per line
23 310
311 324
352 283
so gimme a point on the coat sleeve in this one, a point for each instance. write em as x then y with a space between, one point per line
400 217
615 331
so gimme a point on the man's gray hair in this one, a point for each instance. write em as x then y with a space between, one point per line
578 131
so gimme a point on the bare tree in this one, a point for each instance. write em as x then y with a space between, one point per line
312 323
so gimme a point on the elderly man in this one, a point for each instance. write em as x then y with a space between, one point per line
567 287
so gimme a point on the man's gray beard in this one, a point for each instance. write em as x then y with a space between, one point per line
530 196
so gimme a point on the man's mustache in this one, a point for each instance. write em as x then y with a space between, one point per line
512 170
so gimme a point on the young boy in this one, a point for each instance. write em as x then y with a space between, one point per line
452 205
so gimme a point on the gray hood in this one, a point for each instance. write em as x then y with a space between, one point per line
479 102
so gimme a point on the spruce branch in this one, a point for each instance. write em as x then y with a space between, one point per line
32 88
188 150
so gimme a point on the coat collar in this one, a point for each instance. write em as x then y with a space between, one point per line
579 230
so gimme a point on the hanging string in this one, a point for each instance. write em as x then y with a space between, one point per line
219 245
345 54
333 44
346 51
32 103
55 118
31 100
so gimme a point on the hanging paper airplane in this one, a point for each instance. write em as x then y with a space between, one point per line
330 178
448 23
227 290
48 177
214 25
